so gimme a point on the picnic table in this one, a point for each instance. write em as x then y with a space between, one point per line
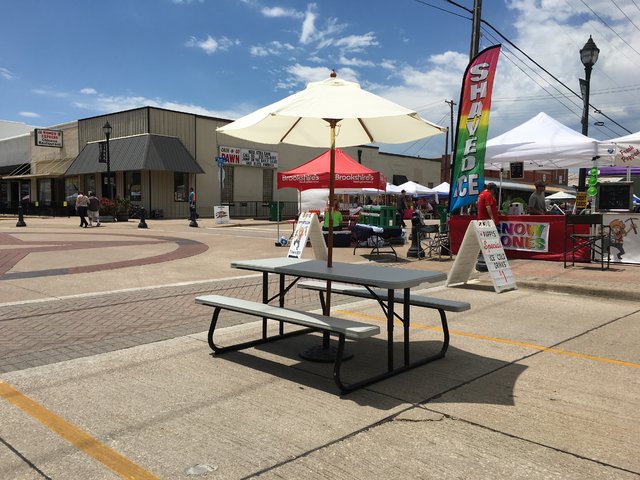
388 286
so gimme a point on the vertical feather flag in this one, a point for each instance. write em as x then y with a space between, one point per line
467 179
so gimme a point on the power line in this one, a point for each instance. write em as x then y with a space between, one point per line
607 25
627 16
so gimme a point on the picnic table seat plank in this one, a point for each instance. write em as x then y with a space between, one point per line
343 328
364 292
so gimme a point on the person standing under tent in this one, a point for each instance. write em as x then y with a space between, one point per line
192 205
537 204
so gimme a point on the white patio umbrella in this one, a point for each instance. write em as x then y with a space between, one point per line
332 113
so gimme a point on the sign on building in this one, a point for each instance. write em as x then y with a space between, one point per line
48 138
249 157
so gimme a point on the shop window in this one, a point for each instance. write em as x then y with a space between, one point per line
180 186
133 186
25 191
90 182
44 191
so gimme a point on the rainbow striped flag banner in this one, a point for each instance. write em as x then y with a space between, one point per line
467 178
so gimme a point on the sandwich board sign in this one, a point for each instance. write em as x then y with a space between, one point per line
482 236
308 228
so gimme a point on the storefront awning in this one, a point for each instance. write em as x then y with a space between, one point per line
138 152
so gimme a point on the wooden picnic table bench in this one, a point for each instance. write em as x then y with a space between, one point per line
343 328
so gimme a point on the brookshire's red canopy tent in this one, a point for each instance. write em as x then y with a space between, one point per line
348 174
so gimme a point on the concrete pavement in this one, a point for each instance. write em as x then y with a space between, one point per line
536 383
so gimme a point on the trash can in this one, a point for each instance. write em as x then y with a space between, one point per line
274 214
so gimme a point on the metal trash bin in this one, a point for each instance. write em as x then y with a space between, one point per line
274 214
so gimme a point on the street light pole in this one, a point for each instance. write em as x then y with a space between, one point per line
107 133
588 57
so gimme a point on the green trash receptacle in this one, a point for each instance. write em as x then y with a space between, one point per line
274 214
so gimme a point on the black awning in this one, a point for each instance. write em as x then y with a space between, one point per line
139 152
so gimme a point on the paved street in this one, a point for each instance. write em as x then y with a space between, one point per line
99 328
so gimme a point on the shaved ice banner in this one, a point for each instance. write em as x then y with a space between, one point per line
467 179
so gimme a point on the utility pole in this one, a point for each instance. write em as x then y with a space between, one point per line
449 173
475 28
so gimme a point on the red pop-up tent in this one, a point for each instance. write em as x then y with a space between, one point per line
315 174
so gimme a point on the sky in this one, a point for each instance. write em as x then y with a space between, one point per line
67 60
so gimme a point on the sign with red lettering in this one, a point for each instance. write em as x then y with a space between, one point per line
482 236
48 138
249 157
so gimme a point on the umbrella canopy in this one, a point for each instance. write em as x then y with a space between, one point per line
360 118
541 143
354 117
315 174
413 188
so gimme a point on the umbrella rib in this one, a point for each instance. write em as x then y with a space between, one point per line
288 131
364 127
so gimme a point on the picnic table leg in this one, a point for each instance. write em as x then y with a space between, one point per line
406 316
390 306
265 299
281 300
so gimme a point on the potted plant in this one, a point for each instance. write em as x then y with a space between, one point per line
107 209
123 205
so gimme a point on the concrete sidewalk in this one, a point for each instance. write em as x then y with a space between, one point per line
105 372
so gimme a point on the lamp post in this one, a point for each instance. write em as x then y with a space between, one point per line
588 57
107 133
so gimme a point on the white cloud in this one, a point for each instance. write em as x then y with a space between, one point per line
308 31
47 92
355 62
116 103
29 114
6 74
356 42
276 12
272 48
88 91
210 45
186 2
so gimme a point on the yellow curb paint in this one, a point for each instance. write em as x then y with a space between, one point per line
504 340
120 465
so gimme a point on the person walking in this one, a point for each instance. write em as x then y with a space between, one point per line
94 209
82 206
401 206
192 205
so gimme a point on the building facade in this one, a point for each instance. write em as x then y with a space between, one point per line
155 156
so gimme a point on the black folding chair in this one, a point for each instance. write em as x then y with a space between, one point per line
597 239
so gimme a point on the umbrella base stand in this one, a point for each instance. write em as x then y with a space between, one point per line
322 354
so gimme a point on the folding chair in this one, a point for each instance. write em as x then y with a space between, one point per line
595 238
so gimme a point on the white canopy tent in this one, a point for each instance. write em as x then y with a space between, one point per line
561 197
413 188
541 143
626 150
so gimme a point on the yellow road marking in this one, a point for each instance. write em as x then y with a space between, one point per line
502 340
120 465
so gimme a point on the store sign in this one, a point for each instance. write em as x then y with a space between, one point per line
527 236
249 157
48 138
